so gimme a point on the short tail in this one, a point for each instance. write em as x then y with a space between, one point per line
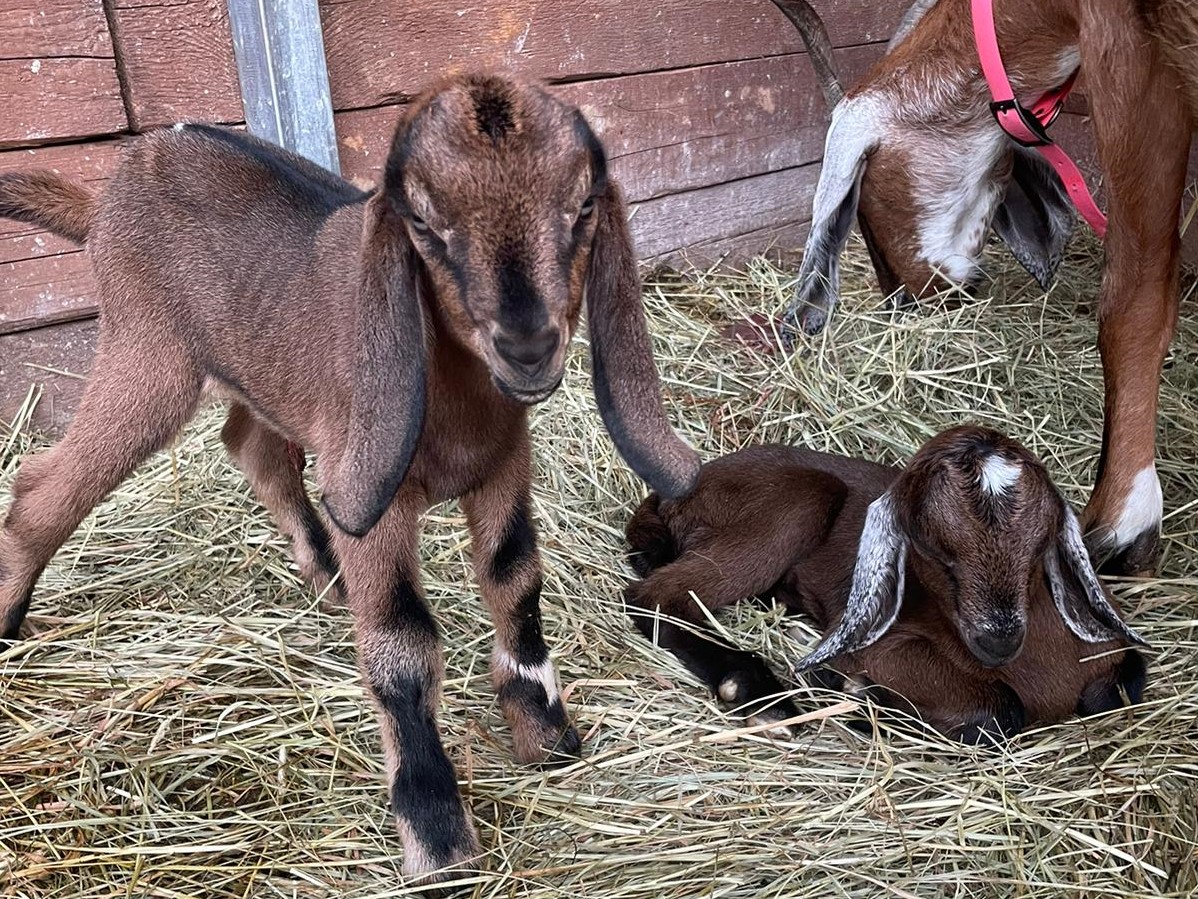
650 538
49 201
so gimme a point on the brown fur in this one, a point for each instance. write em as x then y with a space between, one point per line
1139 67
400 336
786 522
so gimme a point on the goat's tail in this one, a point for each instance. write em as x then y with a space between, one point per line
49 201
650 538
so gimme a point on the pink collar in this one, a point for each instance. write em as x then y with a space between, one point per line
1029 127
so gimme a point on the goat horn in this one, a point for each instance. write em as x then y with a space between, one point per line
819 46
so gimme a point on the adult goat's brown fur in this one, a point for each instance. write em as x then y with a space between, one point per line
958 587
914 154
399 335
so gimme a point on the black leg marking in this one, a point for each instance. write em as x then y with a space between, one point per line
529 643
425 790
12 622
739 678
408 612
318 538
1138 557
518 544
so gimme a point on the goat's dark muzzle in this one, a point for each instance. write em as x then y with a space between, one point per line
998 645
531 366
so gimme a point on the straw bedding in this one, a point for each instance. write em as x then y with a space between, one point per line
189 721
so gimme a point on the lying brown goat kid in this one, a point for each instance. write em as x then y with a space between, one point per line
958 585
399 334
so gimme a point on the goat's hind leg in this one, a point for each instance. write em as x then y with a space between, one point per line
662 608
129 410
508 568
274 469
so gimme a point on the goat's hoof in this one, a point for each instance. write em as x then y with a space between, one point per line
997 724
546 741
1138 559
1123 686
755 693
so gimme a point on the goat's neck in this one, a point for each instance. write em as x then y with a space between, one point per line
934 77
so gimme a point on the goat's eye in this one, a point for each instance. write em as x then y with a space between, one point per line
419 224
587 208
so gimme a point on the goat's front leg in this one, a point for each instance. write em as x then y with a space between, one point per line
508 568
1143 134
401 662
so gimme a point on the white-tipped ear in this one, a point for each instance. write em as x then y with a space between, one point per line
851 136
1086 611
877 592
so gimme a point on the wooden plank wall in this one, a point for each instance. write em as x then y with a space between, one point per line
709 109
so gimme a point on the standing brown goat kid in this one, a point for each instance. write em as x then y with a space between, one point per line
401 335
958 587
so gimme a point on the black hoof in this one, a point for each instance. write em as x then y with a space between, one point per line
1138 558
753 691
566 751
997 724
1107 693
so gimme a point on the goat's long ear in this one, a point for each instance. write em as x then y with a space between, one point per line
877 592
1078 594
851 136
387 406
626 386
1035 218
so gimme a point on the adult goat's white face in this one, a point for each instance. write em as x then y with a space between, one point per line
925 197
915 157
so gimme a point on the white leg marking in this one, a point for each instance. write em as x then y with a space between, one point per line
543 673
1143 508
998 474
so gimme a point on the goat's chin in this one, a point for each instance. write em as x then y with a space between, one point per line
527 395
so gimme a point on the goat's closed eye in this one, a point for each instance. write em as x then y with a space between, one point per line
419 224
587 208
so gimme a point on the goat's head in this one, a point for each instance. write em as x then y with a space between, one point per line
976 516
913 155
496 200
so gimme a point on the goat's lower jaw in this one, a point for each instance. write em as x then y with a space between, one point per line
526 398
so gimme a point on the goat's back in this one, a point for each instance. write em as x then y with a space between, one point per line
219 247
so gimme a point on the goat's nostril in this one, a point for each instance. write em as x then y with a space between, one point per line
527 351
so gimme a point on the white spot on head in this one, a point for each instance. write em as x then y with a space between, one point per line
998 474
1143 508
178 126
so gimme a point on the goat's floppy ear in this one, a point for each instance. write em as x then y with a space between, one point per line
387 405
851 136
1035 219
1078 594
625 378
877 592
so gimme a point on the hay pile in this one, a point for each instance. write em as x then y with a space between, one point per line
189 721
